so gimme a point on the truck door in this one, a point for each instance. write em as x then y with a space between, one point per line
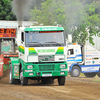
70 55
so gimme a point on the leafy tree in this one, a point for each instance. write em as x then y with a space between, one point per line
6 10
42 16
80 21
74 12
36 3
56 11
89 26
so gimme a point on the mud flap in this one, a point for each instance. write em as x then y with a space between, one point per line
1 65
1 70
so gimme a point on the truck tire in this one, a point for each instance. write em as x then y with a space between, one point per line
61 80
24 80
90 74
11 80
75 71
98 74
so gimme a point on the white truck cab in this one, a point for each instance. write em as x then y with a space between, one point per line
41 56
85 59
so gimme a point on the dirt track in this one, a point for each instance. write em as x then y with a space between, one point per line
75 89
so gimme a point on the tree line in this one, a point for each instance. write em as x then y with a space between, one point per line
81 18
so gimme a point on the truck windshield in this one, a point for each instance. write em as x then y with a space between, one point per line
37 39
7 47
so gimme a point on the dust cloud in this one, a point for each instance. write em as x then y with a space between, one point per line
21 9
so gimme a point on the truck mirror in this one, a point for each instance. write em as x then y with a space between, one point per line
68 53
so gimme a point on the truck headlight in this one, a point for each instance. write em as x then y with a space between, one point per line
30 74
29 67
62 66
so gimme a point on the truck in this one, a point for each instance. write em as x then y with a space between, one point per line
41 56
7 48
83 59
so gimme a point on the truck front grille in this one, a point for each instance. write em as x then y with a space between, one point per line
46 67
46 58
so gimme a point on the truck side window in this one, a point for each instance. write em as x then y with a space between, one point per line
70 52
22 37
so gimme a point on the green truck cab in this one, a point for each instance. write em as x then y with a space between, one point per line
42 55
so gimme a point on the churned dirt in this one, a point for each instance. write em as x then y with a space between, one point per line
80 88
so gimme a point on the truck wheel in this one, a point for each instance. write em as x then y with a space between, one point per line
75 71
90 74
24 80
11 80
98 74
61 80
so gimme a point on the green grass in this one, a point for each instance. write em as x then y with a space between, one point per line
5 67
96 80
82 74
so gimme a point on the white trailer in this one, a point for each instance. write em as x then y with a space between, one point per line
83 59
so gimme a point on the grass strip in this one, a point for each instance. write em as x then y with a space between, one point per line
5 67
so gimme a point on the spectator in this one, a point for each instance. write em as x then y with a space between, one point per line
30 38
5 48
56 38
71 51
